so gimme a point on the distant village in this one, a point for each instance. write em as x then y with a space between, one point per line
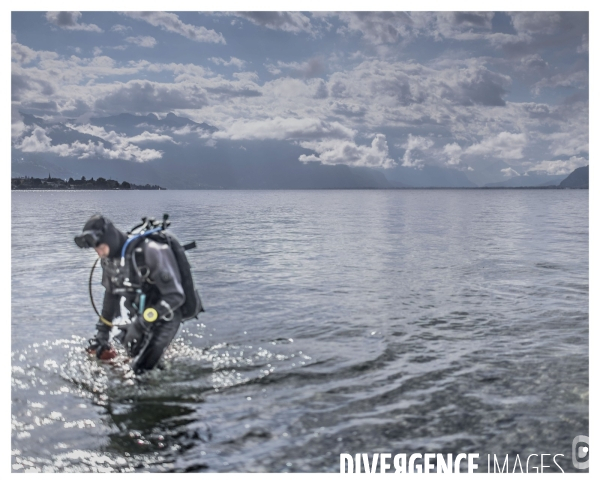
30 183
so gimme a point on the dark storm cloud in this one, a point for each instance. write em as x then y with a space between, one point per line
147 97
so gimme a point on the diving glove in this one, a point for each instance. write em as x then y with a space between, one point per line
132 334
101 348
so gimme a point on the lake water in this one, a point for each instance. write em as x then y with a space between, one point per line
397 321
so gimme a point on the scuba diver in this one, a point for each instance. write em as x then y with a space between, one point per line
148 283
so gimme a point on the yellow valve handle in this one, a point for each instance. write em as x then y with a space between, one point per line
150 315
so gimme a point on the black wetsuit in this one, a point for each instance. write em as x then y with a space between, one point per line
161 282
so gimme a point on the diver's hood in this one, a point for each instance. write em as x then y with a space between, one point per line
100 230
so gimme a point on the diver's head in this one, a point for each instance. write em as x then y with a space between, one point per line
100 233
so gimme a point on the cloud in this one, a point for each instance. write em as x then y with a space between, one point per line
120 28
147 137
348 109
23 84
311 68
142 41
577 79
560 167
455 25
533 62
535 22
585 44
22 54
117 139
171 23
294 22
321 91
231 91
347 152
17 127
477 85
462 103
503 145
284 128
390 27
53 72
70 21
415 143
572 140
453 152
146 97
40 142
376 27
233 61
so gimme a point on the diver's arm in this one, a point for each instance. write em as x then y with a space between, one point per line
100 344
164 273
110 307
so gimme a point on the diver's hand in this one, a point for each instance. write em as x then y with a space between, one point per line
101 348
133 333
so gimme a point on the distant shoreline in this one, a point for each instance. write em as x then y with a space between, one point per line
294 189
31 183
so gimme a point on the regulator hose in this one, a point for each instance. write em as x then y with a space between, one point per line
105 321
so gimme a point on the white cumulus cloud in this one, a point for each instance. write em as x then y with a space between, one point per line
503 145
285 128
39 142
347 152
172 23
233 61
294 22
415 143
142 41
453 152
560 167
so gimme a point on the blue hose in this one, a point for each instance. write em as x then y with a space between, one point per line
131 239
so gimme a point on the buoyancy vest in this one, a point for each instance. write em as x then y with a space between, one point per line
193 304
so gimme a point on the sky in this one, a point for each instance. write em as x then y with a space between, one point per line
459 90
